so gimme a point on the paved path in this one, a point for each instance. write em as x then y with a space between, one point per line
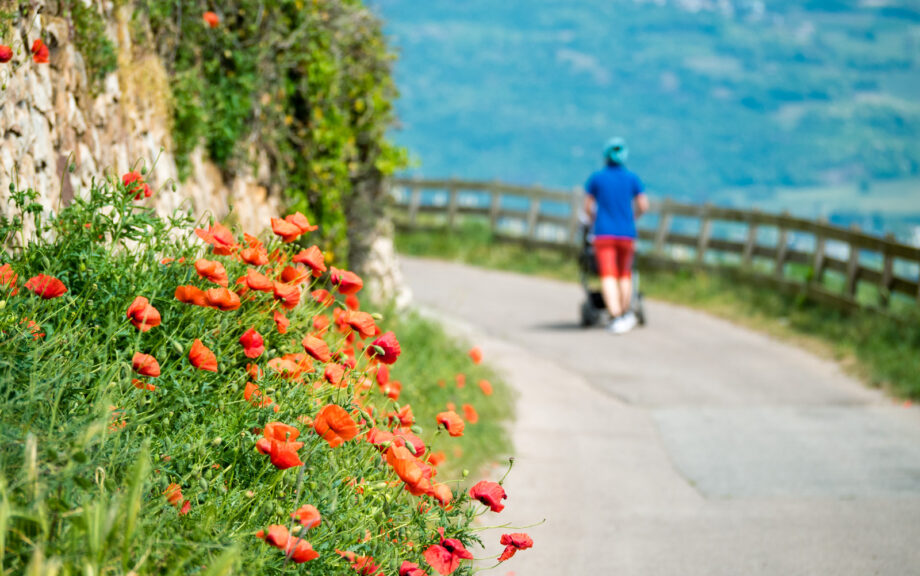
690 447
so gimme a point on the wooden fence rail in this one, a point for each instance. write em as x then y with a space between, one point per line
840 266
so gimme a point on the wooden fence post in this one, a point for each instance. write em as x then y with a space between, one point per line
884 288
782 250
532 216
818 264
495 204
664 226
574 210
705 231
415 198
451 204
747 257
853 268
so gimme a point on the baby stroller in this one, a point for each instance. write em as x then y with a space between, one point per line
593 309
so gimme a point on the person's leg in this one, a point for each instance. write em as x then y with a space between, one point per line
624 285
605 254
624 252
611 290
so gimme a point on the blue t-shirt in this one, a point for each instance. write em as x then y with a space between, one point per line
614 189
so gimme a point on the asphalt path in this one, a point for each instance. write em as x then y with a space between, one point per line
689 447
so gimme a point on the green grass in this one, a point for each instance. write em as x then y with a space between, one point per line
882 352
431 358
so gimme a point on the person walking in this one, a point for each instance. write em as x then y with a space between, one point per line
614 198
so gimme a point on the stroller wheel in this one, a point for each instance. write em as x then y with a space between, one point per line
639 311
589 314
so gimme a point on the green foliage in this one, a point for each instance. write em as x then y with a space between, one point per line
803 95
91 40
305 83
86 453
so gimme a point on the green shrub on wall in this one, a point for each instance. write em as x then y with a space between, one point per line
307 83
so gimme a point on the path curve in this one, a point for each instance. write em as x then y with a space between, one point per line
690 447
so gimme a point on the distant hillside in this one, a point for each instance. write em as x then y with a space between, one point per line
712 94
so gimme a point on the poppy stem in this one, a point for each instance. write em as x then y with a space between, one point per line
300 475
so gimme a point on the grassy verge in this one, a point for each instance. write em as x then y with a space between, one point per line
882 352
435 362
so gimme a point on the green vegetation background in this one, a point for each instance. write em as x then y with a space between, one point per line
742 109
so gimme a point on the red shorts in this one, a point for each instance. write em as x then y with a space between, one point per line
614 256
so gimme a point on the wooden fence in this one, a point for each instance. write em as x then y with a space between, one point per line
840 266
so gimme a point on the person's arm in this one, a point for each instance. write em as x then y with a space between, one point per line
642 204
589 209
640 200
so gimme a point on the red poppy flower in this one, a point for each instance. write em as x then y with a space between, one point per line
476 354
461 380
300 551
323 297
361 322
253 343
220 237
201 357
405 464
486 387
39 52
47 287
489 493
335 425
281 322
258 281
312 257
145 365
290 367
299 220
212 270
363 565
211 19
288 294
405 437
405 416
291 227
222 299
276 535
173 494
334 373
6 54
452 422
352 302
295 274
441 492
307 515
411 569
513 543
34 328
445 557
386 348
254 396
470 414
317 348
8 278
255 255
392 389
142 315
141 385
134 183
320 324
279 442
346 282
437 458
191 295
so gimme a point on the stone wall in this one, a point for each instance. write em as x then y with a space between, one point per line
51 116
